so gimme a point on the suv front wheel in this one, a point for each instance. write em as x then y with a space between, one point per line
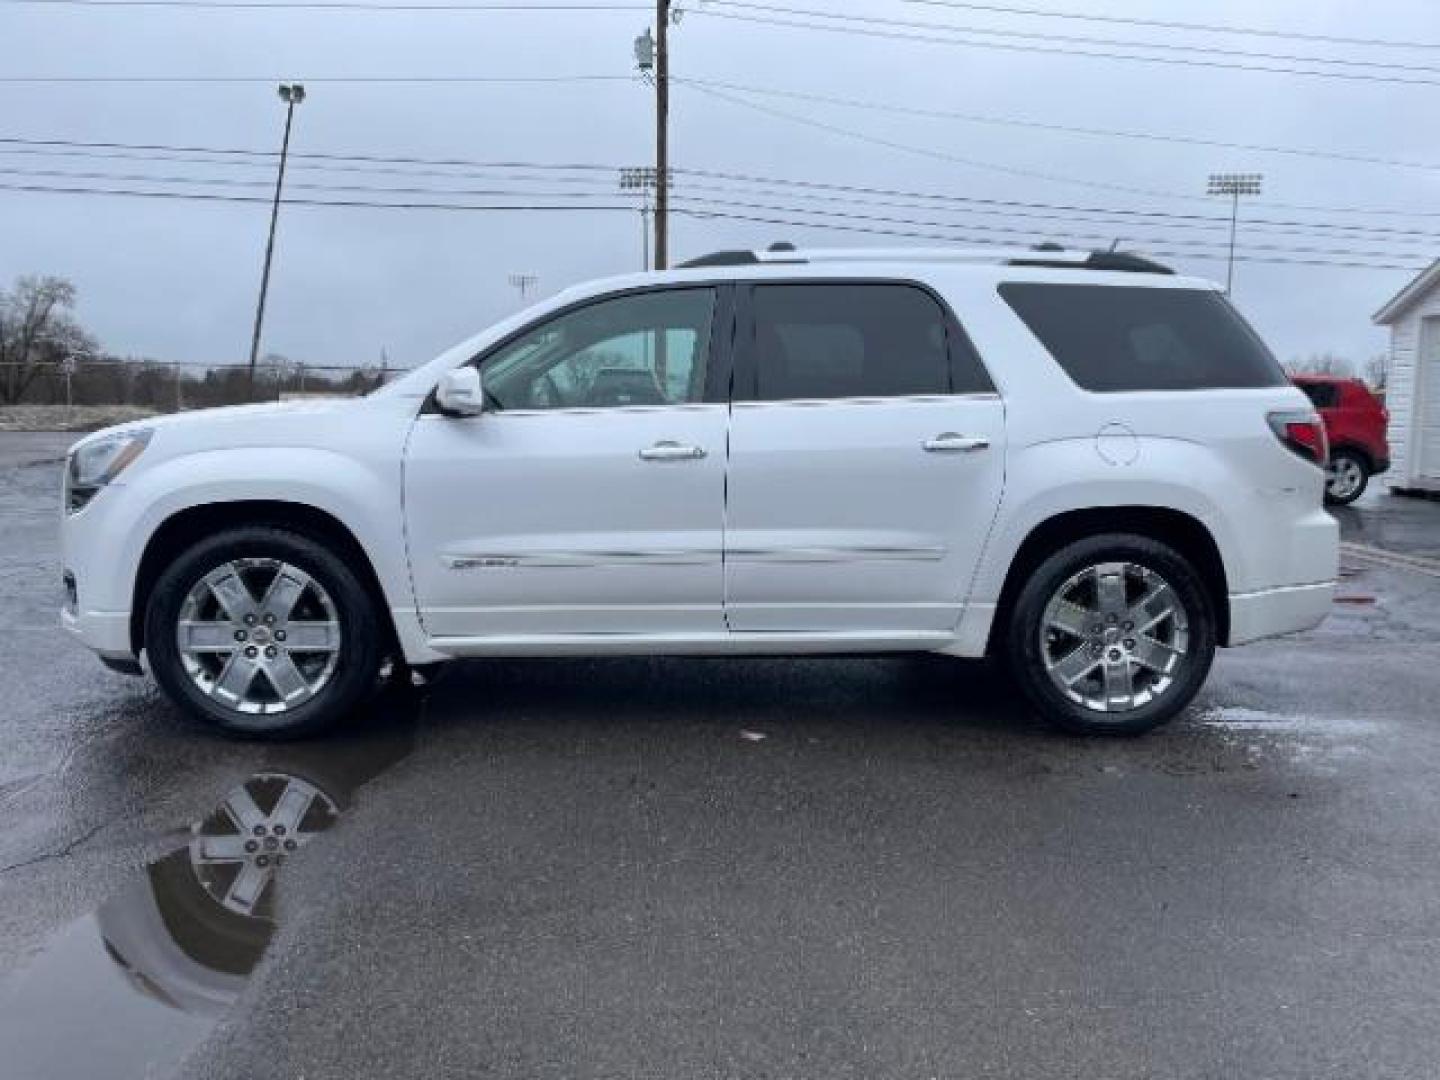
263 632
1112 635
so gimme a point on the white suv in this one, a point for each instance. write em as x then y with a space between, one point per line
1073 461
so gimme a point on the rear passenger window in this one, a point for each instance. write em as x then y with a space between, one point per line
1116 338
855 340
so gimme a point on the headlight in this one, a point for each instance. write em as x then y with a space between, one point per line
95 464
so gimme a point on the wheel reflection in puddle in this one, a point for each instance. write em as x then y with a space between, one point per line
129 989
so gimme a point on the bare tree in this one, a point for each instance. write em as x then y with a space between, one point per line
1377 372
1326 363
36 330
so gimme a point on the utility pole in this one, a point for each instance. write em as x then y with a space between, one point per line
292 94
662 133
1233 185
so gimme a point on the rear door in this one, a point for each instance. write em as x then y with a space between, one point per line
866 460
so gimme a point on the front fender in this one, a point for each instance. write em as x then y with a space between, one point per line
123 518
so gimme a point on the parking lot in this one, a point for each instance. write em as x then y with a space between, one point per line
695 867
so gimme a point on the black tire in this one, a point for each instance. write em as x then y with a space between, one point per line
1340 459
1024 640
362 644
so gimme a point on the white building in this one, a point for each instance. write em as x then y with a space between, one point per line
1413 386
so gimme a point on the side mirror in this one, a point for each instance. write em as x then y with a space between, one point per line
459 392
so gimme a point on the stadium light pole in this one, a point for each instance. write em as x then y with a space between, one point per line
292 94
1234 185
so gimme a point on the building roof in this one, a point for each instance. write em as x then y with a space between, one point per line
1400 303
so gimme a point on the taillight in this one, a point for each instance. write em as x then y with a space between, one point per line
1303 433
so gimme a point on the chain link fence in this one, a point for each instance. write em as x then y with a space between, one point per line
167 386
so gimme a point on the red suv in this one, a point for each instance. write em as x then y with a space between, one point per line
1355 427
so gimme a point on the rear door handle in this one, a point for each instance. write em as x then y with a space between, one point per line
666 450
950 442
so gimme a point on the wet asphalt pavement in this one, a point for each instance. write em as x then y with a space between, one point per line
577 868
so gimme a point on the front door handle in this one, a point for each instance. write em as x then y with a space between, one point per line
950 442
666 450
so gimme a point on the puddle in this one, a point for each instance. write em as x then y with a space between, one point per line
129 989
1259 722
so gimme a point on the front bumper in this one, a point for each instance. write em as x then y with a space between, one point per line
1284 610
105 632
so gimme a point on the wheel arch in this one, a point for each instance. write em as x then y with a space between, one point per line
1181 531
1351 447
184 527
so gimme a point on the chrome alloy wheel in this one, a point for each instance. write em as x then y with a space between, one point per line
236 852
258 635
1343 477
1114 637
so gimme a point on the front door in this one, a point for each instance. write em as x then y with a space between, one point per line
588 497
866 461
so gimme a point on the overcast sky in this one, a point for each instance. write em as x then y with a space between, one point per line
176 279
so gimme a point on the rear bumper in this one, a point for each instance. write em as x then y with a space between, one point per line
1285 610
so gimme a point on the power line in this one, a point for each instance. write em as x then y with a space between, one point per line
939 155
842 226
603 172
1072 39
1165 24
974 118
337 160
1195 248
338 79
931 152
1012 209
913 235
331 5
899 35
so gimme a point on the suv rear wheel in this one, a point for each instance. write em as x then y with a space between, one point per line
1112 635
1345 477
263 632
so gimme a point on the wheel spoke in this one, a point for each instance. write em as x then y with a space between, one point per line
1119 686
285 677
231 592
235 677
1155 655
294 803
206 636
245 890
221 849
284 592
1070 618
1074 666
1110 587
240 805
312 636
1153 608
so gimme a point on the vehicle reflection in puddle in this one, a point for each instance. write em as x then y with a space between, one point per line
129 989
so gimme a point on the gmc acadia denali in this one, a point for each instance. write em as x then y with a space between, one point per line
1077 462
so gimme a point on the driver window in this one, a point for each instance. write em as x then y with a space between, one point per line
643 349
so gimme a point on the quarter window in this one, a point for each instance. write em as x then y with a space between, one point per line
851 341
647 348
1117 338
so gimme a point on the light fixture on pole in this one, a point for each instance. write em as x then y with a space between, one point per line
523 284
641 178
1234 185
292 94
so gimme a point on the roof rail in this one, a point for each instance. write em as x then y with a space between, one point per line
1041 255
917 254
